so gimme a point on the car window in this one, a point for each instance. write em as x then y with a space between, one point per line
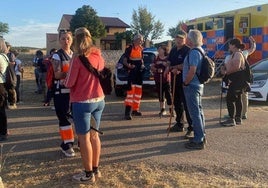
261 66
148 58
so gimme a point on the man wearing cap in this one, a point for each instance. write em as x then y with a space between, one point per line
175 60
134 62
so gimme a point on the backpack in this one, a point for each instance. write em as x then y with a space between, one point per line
50 74
11 77
105 76
207 70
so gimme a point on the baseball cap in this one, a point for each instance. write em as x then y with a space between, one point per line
181 34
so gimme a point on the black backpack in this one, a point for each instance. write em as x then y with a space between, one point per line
207 70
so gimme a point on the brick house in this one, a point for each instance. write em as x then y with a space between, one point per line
112 26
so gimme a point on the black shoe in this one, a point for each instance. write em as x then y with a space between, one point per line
195 145
136 113
238 120
204 140
228 123
176 128
189 134
128 118
3 137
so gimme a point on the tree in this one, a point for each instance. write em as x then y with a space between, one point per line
143 22
3 28
87 17
173 31
127 35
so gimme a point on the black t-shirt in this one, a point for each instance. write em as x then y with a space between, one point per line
176 56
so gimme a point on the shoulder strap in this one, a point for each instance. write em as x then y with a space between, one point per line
88 65
199 51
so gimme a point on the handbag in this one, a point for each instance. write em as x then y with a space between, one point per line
105 76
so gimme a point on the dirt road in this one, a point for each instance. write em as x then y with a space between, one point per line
32 157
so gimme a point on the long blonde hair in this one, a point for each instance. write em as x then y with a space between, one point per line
83 41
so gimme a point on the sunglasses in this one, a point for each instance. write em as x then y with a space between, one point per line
64 30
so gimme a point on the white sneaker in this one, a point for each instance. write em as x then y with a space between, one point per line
12 107
82 178
69 152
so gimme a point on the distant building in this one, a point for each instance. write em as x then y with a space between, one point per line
112 26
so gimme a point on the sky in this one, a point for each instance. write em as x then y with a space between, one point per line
30 20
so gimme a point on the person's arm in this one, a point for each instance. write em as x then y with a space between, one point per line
190 75
252 43
56 63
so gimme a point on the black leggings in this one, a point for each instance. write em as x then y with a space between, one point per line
234 103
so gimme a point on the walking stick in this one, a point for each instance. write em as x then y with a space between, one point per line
172 103
161 88
21 87
221 103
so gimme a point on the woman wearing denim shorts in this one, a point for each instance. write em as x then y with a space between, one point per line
87 98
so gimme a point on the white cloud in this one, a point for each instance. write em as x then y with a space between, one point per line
31 34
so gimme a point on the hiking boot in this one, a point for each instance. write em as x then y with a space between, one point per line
176 128
82 178
136 113
228 123
195 145
238 120
162 112
128 117
189 134
69 152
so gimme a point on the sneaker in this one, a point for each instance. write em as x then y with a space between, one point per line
238 120
136 113
12 106
82 178
189 134
228 123
162 112
97 174
195 145
128 117
69 152
176 128
244 117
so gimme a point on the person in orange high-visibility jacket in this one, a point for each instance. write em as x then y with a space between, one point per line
134 62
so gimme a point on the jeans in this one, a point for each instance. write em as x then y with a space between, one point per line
82 113
193 94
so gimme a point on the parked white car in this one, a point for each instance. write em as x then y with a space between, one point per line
259 87
121 74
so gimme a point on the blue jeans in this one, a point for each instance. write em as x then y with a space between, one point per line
82 114
193 94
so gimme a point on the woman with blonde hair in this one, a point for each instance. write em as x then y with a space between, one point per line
87 98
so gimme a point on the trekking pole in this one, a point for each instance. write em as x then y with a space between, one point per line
172 104
161 89
220 105
21 88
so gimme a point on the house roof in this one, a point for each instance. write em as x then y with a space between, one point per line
107 21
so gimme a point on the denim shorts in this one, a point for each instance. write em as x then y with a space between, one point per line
82 113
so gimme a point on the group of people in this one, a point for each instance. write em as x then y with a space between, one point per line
176 77
173 73
77 92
